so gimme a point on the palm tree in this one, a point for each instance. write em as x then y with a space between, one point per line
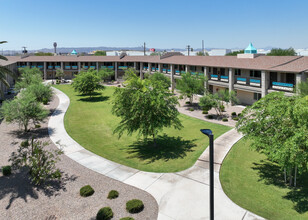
3 72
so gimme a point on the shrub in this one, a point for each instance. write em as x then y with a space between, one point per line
6 170
104 214
188 102
45 101
37 126
210 117
224 119
41 92
58 81
86 191
134 206
235 118
181 97
113 194
24 143
191 109
222 108
127 218
205 112
239 114
233 113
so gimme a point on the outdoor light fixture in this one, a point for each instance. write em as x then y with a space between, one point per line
209 133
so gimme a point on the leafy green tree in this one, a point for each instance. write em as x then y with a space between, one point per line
43 54
28 76
60 73
105 73
235 53
40 162
22 110
190 84
4 72
278 128
200 53
145 108
87 82
303 88
100 53
156 54
282 52
41 92
160 78
218 100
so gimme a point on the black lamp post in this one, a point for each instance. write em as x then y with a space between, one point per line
209 133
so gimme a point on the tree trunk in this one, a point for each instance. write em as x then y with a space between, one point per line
290 176
285 175
154 140
295 176
191 99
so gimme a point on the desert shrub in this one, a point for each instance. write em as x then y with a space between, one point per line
41 92
235 118
222 108
210 117
104 214
86 191
134 206
233 113
205 112
224 119
113 194
127 218
45 101
191 109
6 170
24 143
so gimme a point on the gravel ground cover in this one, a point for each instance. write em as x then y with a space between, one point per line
61 200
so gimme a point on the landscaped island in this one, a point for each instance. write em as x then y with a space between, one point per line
89 121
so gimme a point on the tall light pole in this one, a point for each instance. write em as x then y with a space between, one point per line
209 133
189 49
144 49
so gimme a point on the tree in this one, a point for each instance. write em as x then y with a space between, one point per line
278 128
40 162
160 78
43 54
303 88
282 52
22 110
190 84
100 53
28 77
200 53
41 92
156 54
145 108
87 82
235 53
105 73
218 100
60 73
4 72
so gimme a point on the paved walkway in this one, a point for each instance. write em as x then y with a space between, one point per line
182 195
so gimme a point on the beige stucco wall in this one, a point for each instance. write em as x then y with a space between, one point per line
245 98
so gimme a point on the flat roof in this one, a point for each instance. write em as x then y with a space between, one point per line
268 63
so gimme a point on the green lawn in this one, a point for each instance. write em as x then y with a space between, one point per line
257 185
91 124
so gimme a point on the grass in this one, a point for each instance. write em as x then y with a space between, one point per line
89 122
256 184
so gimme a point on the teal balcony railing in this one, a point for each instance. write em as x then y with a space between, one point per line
33 66
57 67
110 67
164 70
74 67
67 67
85 67
123 67
153 68
213 76
40 67
289 85
50 67
103 67
93 67
157 69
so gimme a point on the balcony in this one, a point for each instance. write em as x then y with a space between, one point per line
157 69
255 82
93 67
240 80
123 67
67 67
57 67
283 86
74 67
153 68
85 67
103 67
40 67
214 77
50 67
224 78
110 67
33 66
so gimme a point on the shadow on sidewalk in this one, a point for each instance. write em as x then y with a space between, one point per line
167 148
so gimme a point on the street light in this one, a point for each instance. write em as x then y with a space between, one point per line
209 133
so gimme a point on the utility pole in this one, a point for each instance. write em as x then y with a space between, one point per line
203 47
144 48
189 49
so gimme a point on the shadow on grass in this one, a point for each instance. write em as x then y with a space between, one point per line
271 174
18 186
167 148
94 99
93 94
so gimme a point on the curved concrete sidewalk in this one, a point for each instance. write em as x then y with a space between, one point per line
182 195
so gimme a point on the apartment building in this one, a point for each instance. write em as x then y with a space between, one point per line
251 75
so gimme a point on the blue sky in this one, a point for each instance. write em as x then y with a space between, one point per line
160 23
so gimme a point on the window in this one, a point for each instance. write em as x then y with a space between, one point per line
255 73
215 71
210 69
192 68
256 96
222 71
237 72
